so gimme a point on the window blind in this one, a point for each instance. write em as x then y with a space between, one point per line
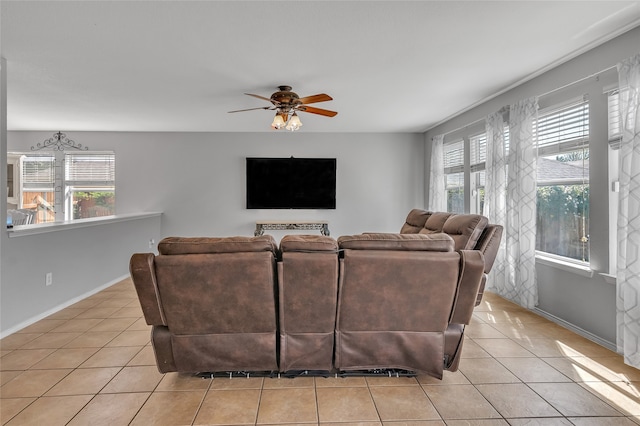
478 148
454 157
92 168
38 171
563 129
613 119
454 181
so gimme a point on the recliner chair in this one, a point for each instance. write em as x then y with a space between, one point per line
211 302
405 298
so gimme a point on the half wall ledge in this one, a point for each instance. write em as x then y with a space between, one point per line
43 228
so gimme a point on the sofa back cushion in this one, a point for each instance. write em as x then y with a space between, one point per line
415 221
202 245
308 243
413 242
435 222
465 229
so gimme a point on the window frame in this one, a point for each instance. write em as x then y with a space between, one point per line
558 139
58 182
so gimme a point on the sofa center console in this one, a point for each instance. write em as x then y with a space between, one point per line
286 225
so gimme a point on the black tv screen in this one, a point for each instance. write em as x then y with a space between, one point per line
291 183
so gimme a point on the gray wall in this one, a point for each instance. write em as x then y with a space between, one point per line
587 304
197 180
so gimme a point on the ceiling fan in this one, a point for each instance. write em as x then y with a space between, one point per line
287 103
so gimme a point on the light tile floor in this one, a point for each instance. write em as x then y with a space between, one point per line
91 364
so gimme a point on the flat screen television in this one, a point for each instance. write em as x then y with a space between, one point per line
291 183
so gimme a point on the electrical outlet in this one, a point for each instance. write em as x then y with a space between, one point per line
48 278
152 243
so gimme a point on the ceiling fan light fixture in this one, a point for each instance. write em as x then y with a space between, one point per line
278 122
294 123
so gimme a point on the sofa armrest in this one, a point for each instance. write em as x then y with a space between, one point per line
397 242
488 244
143 274
471 273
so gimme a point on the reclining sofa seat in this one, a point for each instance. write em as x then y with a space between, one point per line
211 303
468 231
404 298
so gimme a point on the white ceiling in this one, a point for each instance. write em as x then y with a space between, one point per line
390 66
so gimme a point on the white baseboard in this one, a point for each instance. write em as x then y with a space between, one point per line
584 333
60 307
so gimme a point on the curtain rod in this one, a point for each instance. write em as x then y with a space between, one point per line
595 74
506 107
502 110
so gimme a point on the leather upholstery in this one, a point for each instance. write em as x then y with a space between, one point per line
211 309
193 245
367 301
308 286
393 308
413 242
404 301
469 231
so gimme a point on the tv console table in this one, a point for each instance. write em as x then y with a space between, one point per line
299 225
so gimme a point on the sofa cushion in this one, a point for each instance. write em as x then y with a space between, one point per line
415 221
290 243
194 245
435 222
465 229
382 241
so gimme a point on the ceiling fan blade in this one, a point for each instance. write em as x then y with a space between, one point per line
314 110
321 97
251 109
263 98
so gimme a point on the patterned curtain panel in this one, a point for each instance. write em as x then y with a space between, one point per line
520 284
628 276
437 198
495 207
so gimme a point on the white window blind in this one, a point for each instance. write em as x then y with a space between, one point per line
90 169
454 180
614 99
563 129
478 147
613 119
454 157
38 171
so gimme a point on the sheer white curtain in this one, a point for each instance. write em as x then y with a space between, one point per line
628 274
511 192
495 207
437 196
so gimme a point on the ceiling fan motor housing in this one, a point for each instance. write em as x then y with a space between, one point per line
285 98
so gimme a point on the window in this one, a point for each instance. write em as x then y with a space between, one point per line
563 181
64 186
37 186
454 175
90 185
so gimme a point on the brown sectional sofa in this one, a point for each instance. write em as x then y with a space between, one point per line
365 302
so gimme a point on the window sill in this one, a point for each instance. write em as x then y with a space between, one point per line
610 279
43 228
554 262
